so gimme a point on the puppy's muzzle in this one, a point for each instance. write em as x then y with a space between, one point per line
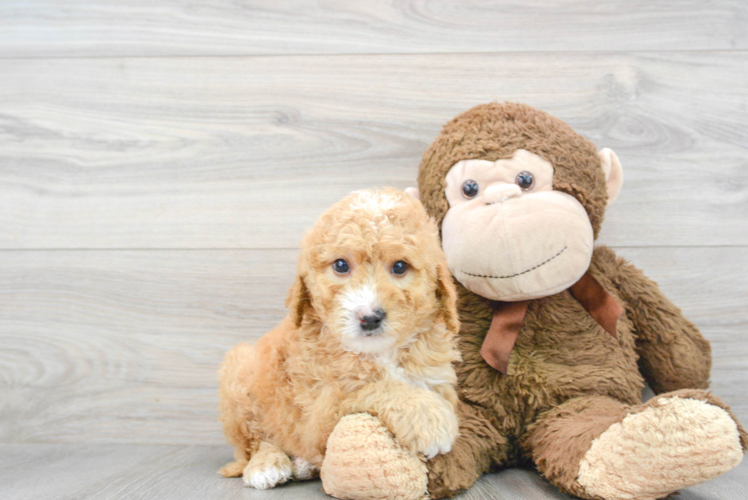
371 323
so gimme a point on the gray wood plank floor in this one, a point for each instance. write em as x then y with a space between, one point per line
130 472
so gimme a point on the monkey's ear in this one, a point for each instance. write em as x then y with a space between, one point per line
413 193
613 173
446 293
298 300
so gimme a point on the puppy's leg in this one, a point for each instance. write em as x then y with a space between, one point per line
267 468
303 470
236 408
234 469
421 420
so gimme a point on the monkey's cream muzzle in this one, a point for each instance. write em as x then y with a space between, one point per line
507 243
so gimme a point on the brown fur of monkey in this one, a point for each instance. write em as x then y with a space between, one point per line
568 379
475 134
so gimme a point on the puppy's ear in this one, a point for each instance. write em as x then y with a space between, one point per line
298 300
446 293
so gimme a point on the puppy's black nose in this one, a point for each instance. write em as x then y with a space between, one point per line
373 321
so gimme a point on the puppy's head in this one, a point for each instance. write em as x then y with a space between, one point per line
373 273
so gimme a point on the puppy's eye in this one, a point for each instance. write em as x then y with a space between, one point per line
525 180
469 188
340 266
399 268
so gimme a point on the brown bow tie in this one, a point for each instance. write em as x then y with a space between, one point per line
508 318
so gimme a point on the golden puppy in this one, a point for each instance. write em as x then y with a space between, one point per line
370 328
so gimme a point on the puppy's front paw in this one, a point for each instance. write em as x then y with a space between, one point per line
436 447
439 438
428 428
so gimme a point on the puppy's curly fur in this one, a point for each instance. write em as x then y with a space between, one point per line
283 396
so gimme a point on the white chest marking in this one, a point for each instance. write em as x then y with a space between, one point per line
426 381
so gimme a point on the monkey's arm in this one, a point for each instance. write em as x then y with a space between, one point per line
673 353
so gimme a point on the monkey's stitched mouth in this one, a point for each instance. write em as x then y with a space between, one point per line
518 274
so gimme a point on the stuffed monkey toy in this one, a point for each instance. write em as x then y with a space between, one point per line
558 336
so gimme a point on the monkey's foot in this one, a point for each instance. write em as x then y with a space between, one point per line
672 443
363 461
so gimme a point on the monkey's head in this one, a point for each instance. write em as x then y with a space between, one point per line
519 197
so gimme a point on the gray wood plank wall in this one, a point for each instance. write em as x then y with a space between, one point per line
160 160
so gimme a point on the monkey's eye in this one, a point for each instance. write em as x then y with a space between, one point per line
525 180
399 268
469 188
340 266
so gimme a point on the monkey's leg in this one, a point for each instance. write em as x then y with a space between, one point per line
596 447
478 446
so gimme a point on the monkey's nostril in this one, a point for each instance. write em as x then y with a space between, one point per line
373 321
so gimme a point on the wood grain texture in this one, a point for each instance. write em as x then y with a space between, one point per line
160 160
119 472
246 152
44 28
123 346
133 472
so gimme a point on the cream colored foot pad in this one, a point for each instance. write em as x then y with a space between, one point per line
680 443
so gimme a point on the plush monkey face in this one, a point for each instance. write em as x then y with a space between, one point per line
520 211
508 235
